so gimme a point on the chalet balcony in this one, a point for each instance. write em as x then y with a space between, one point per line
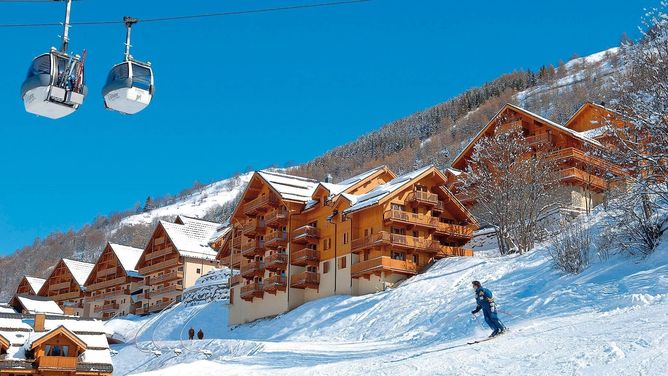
457 231
448 251
421 197
276 218
580 177
541 138
252 249
590 160
384 238
106 308
276 262
60 286
111 294
306 235
260 204
167 277
159 306
65 296
508 125
252 269
159 253
236 280
276 239
305 256
253 227
57 363
382 264
236 242
411 219
305 280
106 272
235 259
252 290
106 284
274 284
141 311
165 290
170 263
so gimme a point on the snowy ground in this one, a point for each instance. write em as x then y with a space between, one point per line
611 319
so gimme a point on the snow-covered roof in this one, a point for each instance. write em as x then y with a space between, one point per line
35 283
6 308
80 270
39 304
335 189
222 230
290 187
377 194
192 237
127 256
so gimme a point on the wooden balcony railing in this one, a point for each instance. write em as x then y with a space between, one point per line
60 286
305 280
106 272
458 231
585 178
236 279
167 277
276 239
276 218
579 155
400 216
159 253
252 269
164 290
275 283
106 308
508 125
252 290
383 263
111 294
253 227
252 249
448 251
105 284
276 261
60 363
306 234
541 138
305 256
422 197
395 240
66 296
262 203
159 306
173 262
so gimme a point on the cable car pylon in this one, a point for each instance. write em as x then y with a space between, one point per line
54 86
129 87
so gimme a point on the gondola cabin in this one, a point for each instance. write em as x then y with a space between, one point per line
129 87
54 86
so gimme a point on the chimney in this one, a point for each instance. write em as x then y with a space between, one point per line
39 322
328 178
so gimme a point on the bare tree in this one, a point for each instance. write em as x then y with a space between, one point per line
515 188
570 249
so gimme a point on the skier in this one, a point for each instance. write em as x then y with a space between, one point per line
485 301
200 334
191 333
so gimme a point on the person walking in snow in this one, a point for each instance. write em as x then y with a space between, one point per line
200 334
485 301
191 333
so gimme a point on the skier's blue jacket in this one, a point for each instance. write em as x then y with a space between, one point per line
484 300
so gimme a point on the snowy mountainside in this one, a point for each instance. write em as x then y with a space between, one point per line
607 320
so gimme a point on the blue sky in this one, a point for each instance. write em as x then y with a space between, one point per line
254 90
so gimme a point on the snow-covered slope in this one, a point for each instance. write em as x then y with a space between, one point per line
610 319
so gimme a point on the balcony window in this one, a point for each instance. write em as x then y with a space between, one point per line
399 256
345 238
342 262
199 271
325 267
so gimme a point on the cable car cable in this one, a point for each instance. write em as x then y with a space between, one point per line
196 16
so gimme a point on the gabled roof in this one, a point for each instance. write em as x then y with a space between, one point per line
191 239
348 185
289 187
127 256
587 106
36 304
79 270
560 128
38 339
35 283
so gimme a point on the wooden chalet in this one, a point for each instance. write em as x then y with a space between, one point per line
53 345
65 285
30 285
33 304
586 176
292 244
175 256
114 285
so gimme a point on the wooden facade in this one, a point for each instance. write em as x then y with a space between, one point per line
65 285
29 285
292 243
587 176
171 263
113 283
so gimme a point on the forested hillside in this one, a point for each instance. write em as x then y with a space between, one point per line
434 135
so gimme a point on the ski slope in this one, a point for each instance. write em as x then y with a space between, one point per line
610 319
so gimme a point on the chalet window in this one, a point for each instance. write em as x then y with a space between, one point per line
345 238
199 271
416 234
326 244
397 207
325 267
399 256
416 259
366 255
342 263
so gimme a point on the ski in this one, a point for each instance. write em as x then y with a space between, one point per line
487 339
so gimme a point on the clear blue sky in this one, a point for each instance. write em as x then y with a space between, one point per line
254 90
